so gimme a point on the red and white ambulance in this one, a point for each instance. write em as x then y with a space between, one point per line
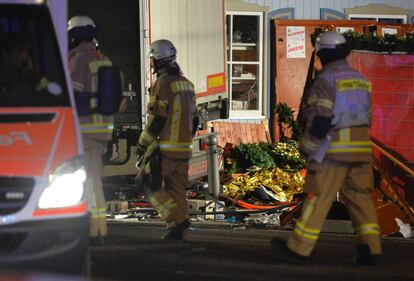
44 221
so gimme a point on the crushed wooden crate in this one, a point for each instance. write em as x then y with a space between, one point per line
236 133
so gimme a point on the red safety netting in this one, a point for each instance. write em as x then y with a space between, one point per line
392 78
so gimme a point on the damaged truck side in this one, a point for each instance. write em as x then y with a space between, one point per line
197 29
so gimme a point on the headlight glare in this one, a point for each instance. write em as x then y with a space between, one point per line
65 187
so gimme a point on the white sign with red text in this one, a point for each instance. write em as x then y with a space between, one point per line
296 47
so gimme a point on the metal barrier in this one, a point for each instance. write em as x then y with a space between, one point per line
205 162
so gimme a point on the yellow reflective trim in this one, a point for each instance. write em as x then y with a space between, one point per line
174 87
162 211
98 213
181 86
95 65
367 229
345 135
77 86
373 225
353 84
170 204
146 138
308 210
99 118
176 120
150 105
165 209
163 103
306 235
170 146
307 229
325 103
314 100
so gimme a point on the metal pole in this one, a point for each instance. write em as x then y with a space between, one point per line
212 165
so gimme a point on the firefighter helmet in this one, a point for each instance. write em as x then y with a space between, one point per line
82 28
80 21
162 49
329 40
331 46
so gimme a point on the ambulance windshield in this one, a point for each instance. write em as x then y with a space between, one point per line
31 69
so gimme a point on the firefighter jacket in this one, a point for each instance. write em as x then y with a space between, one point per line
84 63
172 97
341 95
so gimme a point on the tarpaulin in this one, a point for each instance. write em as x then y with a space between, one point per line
392 78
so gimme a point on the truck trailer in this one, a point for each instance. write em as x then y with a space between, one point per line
196 28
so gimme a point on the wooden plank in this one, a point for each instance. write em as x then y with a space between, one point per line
236 133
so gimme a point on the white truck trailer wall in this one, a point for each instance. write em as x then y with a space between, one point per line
196 27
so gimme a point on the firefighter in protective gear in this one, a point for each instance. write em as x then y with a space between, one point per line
84 63
337 143
169 133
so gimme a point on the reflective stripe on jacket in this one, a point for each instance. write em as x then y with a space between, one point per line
350 145
84 63
353 99
173 98
343 94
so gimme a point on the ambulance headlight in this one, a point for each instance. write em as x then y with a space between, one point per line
66 186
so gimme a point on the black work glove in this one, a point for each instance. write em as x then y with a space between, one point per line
140 150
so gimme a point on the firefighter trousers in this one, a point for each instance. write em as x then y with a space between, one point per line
94 168
323 181
170 199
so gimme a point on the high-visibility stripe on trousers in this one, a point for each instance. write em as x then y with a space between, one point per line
323 181
170 200
93 163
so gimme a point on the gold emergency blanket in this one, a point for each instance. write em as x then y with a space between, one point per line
284 185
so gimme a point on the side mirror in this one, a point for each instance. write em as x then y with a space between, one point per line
109 89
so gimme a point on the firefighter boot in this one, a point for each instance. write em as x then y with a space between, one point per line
364 256
178 232
283 253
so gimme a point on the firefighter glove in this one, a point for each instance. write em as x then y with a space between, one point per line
140 149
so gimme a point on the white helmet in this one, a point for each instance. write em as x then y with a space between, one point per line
80 21
162 49
329 40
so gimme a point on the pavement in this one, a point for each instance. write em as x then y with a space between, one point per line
235 251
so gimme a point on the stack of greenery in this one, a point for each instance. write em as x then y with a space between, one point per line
284 155
389 43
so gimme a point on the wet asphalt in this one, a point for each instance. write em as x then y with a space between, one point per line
226 251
